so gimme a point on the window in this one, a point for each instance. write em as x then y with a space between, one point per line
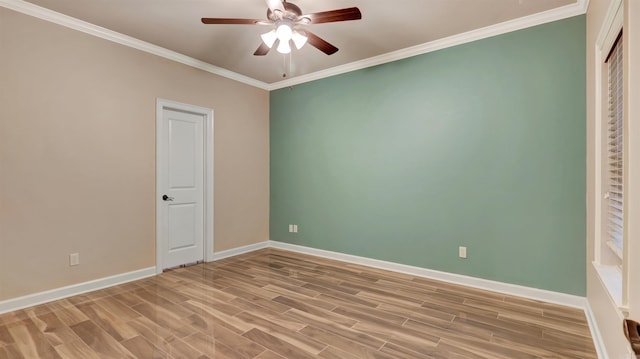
614 147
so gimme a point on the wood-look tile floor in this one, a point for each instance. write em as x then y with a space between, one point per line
273 304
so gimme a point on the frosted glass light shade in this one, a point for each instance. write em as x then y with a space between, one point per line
269 38
284 32
284 47
298 39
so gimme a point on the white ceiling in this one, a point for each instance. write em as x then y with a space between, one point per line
386 27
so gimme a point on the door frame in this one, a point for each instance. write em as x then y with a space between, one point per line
207 115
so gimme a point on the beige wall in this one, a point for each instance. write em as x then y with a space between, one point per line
77 154
608 316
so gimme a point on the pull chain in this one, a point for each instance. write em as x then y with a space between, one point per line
286 65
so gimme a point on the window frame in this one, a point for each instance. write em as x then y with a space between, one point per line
610 266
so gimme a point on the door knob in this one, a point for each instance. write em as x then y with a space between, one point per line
166 198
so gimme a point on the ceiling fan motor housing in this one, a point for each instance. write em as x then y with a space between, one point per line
291 12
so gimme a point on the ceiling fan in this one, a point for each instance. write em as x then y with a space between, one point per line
285 17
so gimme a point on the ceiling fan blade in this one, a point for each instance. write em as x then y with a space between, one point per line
275 5
351 13
227 21
262 50
320 44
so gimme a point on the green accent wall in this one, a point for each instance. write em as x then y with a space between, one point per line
480 145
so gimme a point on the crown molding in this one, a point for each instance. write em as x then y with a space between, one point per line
91 29
578 8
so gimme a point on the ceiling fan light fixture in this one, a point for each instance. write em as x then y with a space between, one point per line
269 38
298 39
284 47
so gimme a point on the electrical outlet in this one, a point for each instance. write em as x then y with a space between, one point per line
291 228
295 228
462 252
74 259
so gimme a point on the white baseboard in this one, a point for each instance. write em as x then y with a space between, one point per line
485 284
568 300
30 300
598 342
75 289
237 251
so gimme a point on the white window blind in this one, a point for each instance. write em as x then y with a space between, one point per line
615 189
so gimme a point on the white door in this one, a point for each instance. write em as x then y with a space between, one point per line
181 160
